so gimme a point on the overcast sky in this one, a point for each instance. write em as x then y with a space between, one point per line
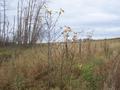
102 16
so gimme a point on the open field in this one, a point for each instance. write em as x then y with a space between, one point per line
52 45
88 65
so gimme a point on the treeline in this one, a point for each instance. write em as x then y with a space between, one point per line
32 24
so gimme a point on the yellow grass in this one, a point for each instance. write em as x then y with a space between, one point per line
30 70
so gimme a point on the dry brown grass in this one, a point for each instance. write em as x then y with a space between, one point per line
30 71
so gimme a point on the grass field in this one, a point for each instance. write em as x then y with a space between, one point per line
89 65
